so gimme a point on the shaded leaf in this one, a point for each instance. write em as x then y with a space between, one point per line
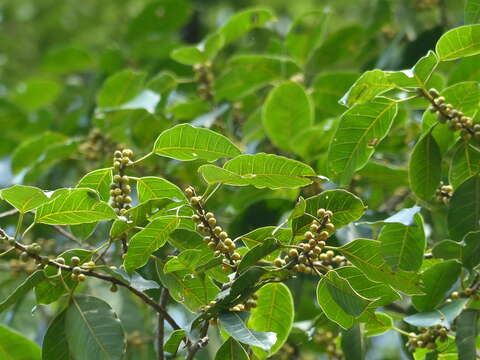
231 350
173 342
22 290
257 253
14 346
444 315
55 345
470 253
465 163
466 334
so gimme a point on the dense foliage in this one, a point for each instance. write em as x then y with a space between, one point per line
214 180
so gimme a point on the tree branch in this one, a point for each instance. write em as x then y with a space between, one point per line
200 343
161 324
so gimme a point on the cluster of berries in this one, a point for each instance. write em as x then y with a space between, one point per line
214 236
466 293
456 118
326 339
444 193
428 337
250 303
120 189
96 145
204 76
310 256
79 268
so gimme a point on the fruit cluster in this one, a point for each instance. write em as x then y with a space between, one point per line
456 118
309 256
204 76
96 145
250 303
466 293
326 339
427 338
444 193
214 236
120 189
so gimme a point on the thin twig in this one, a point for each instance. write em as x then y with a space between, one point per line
161 324
200 343
8 213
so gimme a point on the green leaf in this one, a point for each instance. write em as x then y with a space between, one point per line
402 247
73 206
173 342
444 315
93 330
203 52
352 343
55 345
185 142
257 253
460 42
146 241
260 170
365 254
24 198
242 22
231 350
472 11
274 313
65 60
339 301
120 88
247 73
405 217
466 334
14 346
437 280
424 168
465 163
447 249
187 260
98 180
35 94
345 207
287 110
152 187
235 325
464 212
305 34
367 86
424 68
360 129
378 325
22 290
470 254
329 88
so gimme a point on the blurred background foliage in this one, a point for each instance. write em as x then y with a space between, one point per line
61 61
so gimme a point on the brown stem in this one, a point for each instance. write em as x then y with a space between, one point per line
200 343
161 324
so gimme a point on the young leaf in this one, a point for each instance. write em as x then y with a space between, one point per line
14 346
339 301
24 198
360 129
55 345
146 241
464 212
365 254
437 280
93 330
260 170
243 22
465 163
235 325
369 85
287 110
120 88
152 187
74 206
402 247
173 342
274 313
21 291
460 42
345 207
231 350
444 315
98 180
424 169
466 334
185 142
379 324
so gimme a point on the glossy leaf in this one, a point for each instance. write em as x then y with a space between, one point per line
231 350
365 254
463 212
98 180
367 86
260 170
437 280
185 142
55 345
424 169
360 129
402 247
14 346
146 241
24 198
74 206
465 163
93 330
459 42
274 313
234 324
444 315
151 187
287 110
